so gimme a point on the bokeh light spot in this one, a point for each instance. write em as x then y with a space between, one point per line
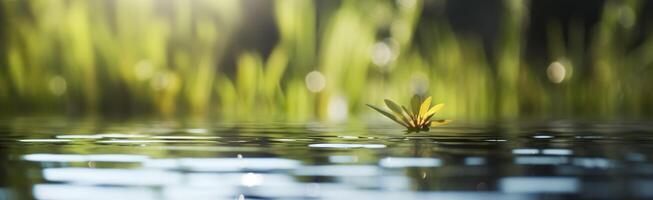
556 72
407 3
58 85
338 108
381 54
419 83
315 81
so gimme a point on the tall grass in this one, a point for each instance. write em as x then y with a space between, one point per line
173 57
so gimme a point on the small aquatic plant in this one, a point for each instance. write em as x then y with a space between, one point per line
418 118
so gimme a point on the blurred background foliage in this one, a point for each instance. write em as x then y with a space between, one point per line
305 60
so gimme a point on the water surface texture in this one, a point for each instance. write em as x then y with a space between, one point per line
167 159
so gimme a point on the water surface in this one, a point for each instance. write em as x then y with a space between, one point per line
176 159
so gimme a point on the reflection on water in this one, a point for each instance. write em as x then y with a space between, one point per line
176 160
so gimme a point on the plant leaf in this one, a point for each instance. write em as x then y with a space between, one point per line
440 122
434 110
423 109
407 111
414 104
397 109
393 106
412 117
428 118
387 114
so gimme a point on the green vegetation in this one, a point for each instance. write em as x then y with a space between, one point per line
174 57
418 118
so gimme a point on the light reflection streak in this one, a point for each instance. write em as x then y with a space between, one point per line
78 136
334 145
84 158
560 152
474 161
207 148
133 177
45 140
525 151
197 130
541 160
601 163
151 141
186 137
120 135
343 159
399 162
341 193
183 192
636 157
338 170
224 164
83 192
539 184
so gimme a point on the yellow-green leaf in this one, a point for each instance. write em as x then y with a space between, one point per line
393 106
407 111
414 103
387 114
412 117
441 122
424 108
397 109
434 110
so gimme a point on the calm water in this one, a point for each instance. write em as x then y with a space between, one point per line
154 159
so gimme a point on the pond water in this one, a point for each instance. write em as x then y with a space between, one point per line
167 159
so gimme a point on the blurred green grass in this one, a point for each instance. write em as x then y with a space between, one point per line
172 57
